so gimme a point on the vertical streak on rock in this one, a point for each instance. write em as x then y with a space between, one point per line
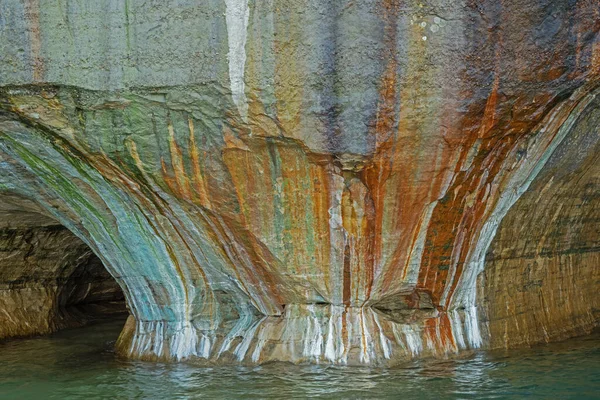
236 17
347 277
411 272
489 115
337 237
414 136
488 122
320 210
376 175
200 192
178 165
32 11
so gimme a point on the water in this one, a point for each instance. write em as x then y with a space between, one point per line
79 364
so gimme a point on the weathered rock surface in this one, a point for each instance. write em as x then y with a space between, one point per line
328 181
542 271
49 279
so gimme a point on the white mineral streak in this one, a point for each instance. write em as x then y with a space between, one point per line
457 329
304 332
414 261
385 343
539 151
413 340
430 342
313 341
242 325
398 336
236 17
334 347
242 348
184 340
261 340
338 240
365 339
330 348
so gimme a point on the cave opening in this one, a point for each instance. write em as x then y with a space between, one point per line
49 278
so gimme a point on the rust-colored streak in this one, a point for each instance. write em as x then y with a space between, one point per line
168 178
378 171
463 203
347 276
460 215
320 210
257 277
439 331
462 207
368 254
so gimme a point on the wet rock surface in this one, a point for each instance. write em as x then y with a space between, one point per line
340 182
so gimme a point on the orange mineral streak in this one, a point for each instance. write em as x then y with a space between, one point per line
470 201
295 180
439 332
454 212
457 216
461 207
110 170
247 259
489 115
272 180
320 210
250 172
378 171
148 199
415 179
358 217
177 163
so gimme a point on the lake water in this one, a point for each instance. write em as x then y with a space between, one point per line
79 364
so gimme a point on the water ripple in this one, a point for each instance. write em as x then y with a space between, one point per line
79 364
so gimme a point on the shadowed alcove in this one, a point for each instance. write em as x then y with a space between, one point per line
49 278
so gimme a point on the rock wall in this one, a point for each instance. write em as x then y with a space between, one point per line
541 274
300 180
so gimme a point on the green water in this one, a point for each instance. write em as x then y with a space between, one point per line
79 364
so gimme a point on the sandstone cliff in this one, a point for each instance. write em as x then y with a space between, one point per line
306 180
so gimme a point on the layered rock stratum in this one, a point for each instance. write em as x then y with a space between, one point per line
351 182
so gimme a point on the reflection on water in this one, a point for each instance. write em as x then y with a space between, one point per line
79 364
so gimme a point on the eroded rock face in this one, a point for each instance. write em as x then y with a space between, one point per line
49 279
309 180
542 270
